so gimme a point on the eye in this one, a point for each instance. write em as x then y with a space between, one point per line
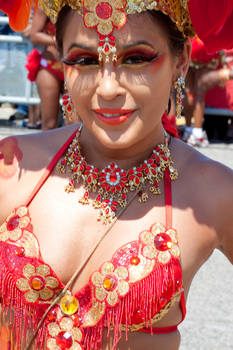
82 61
138 59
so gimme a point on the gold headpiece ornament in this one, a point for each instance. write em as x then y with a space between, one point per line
106 15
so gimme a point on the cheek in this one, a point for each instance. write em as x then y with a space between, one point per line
81 83
158 64
71 73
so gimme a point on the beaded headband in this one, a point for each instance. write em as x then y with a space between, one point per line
107 15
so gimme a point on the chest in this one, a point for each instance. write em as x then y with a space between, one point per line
129 267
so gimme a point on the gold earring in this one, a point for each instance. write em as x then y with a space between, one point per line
179 86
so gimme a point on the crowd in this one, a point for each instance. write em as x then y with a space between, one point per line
209 82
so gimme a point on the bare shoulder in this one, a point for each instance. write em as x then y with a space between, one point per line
209 187
23 160
201 169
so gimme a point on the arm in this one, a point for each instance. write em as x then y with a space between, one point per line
225 215
37 36
11 156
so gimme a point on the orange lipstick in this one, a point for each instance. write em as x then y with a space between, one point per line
113 116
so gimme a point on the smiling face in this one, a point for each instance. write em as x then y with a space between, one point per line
121 103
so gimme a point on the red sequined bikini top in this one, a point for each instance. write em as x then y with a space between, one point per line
131 292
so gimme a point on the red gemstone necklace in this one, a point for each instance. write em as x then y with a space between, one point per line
113 184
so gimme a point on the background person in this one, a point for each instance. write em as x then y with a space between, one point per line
206 72
46 69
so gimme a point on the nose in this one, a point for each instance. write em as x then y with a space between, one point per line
108 86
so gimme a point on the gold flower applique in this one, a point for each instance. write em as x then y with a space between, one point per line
110 283
64 335
160 243
14 225
105 15
37 284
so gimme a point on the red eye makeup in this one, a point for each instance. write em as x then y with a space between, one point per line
81 57
157 64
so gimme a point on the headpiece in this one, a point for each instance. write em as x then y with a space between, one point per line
107 15
212 20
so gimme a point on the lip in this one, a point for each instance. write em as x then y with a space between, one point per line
124 114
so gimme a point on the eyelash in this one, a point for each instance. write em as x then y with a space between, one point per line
138 59
129 60
82 61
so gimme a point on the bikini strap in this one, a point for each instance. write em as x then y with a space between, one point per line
168 198
50 168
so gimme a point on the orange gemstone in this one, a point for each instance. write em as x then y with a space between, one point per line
134 260
109 283
37 283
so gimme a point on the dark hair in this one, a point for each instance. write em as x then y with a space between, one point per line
175 37
61 25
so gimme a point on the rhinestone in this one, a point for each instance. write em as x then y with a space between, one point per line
135 260
109 283
162 241
37 283
113 177
20 251
13 223
69 305
52 316
64 340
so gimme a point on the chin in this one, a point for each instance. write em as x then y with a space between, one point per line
117 137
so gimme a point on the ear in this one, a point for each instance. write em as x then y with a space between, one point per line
183 60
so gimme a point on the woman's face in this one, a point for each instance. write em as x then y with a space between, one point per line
121 103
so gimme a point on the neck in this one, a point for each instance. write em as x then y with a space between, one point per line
97 154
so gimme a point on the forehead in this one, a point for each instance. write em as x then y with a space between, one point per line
139 27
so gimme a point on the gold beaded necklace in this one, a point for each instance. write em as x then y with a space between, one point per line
113 184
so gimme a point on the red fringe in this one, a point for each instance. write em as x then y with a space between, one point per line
160 283
21 318
149 296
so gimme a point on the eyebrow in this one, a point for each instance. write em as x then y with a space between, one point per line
125 47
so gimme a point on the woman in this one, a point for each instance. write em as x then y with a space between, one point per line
206 72
124 281
46 69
